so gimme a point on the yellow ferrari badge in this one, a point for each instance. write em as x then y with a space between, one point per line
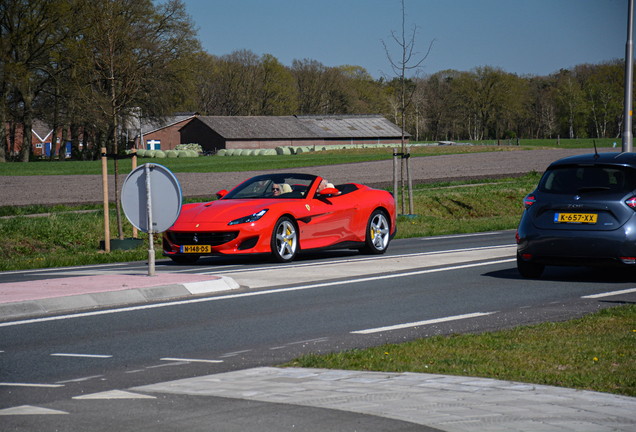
197 226
308 208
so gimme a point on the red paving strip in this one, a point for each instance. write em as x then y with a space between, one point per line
62 287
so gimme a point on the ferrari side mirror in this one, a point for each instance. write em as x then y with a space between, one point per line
329 192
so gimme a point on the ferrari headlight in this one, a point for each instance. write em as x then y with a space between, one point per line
251 218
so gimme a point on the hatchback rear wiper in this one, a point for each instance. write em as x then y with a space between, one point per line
593 188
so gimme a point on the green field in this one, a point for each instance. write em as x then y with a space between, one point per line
67 238
205 164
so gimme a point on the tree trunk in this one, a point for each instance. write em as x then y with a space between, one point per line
27 134
3 128
56 114
62 155
75 150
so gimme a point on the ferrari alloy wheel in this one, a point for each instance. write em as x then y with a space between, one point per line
378 233
284 240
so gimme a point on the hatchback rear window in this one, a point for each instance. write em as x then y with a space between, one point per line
593 178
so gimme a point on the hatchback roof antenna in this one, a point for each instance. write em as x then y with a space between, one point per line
596 155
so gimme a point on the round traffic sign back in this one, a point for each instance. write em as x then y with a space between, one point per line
162 190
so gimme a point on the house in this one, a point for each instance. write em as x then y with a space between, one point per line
263 132
162 134
41 139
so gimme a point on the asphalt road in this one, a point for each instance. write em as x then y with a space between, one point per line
272 324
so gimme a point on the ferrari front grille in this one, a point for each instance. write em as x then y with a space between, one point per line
205 238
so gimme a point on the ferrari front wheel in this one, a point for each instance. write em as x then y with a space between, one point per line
284 240
378 233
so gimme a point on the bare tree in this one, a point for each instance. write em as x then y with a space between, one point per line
408 63
132 55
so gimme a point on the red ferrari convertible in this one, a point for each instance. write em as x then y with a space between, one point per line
282 214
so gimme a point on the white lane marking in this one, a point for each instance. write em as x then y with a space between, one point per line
421 323
323 339
4 384
190 360
610 293
464 235
29 410
114 394
179 363
81 355
235 353
80 379
251 294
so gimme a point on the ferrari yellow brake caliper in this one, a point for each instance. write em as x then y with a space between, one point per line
289 242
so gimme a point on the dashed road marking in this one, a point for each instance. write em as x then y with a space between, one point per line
421 323
7 384
190 360
98 356
610 293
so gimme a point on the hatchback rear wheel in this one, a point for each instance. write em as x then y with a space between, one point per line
528 269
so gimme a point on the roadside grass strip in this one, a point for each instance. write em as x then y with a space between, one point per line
70 239
596 352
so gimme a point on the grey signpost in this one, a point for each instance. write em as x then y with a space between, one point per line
151 198
628 138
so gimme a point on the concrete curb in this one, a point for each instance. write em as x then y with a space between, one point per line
76 302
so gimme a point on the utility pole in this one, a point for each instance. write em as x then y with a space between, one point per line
628 137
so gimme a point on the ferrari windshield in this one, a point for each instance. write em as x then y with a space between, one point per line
281 186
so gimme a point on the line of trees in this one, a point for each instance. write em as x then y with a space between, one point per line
88 66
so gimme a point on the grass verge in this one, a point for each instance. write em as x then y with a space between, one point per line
596 352
68 237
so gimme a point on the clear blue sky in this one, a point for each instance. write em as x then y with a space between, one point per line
535 37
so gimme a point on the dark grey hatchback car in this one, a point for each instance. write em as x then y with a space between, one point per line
582 213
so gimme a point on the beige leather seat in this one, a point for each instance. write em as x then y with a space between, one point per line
285 188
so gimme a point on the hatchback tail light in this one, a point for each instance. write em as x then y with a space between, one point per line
631 202
628 260
530 199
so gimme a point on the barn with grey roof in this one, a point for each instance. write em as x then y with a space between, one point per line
264 132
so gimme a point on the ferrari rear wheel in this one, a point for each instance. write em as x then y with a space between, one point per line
284 240
378 233
185 259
